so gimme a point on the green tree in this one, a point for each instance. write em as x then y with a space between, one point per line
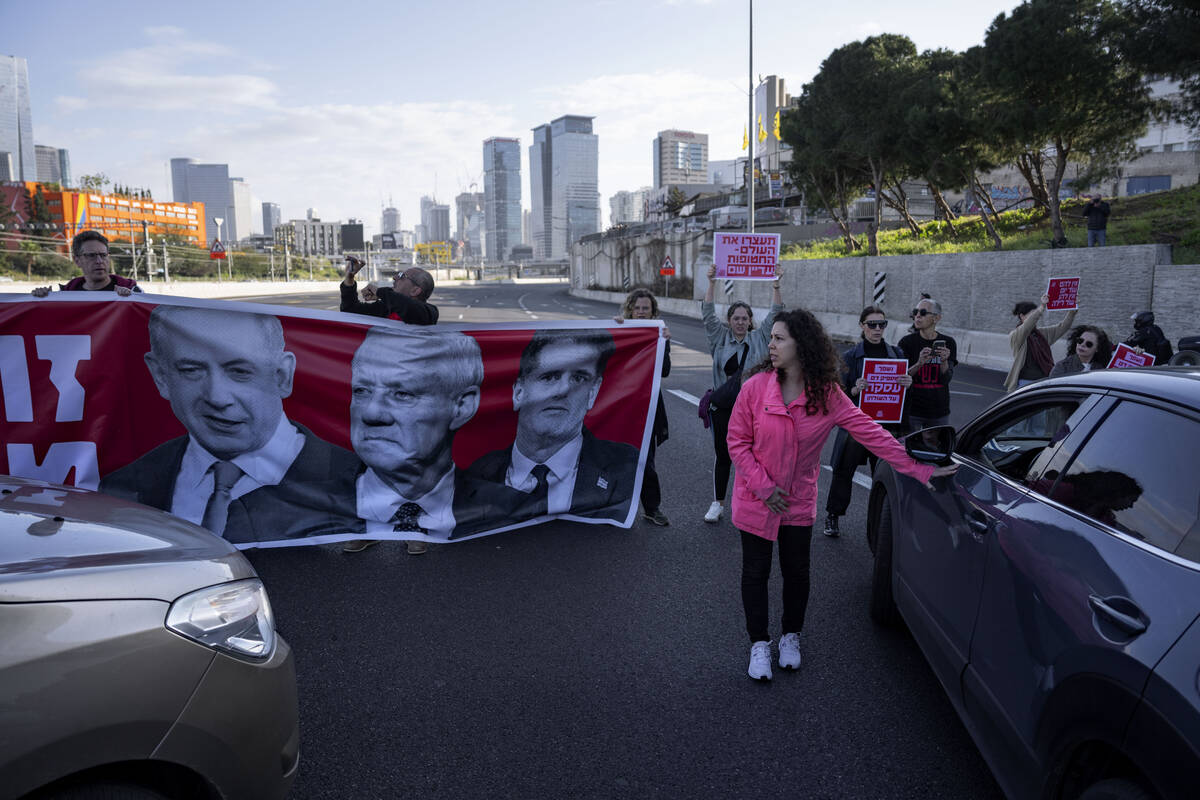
1163 37
1054 82
94 183
676 200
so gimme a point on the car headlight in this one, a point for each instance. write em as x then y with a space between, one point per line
234 617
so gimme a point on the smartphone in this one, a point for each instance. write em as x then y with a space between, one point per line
939 343
936 359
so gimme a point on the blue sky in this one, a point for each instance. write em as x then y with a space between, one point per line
340 106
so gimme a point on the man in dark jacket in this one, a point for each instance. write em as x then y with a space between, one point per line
89 251
1150 338
406 301
1096 213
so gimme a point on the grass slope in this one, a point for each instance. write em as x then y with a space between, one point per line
1158 217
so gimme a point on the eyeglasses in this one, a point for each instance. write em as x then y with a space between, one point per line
876 325
1086 343
404 277
98 256
921 312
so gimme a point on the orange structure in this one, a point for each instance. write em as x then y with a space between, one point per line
117 217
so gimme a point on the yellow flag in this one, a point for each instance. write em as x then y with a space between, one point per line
778 135
762 132
745 138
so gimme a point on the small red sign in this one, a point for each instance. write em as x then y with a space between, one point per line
1064 294
882 399
1124 357
668 267
217 250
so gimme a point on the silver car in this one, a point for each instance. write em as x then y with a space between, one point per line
138 653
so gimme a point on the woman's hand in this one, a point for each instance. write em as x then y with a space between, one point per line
861 384
712 272
619 320
940 472
666 332
904 380
1045 301
777 502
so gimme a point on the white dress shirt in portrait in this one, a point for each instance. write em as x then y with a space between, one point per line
378 503
563 465
265 466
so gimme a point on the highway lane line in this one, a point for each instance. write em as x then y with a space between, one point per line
968 394
682 395
521 303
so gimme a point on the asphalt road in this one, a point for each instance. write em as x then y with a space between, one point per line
571 660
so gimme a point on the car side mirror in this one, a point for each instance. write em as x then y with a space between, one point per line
931 445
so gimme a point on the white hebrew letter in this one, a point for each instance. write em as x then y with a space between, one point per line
14 377
57 464
64 354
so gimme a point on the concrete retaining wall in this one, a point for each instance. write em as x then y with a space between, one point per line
977 292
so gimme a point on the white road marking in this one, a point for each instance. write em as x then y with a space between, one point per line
691 398
521 303
968 394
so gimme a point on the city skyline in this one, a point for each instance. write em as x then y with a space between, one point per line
125 89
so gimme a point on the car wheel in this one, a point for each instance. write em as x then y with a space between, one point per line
883 605
1185 358
107 791
1116 789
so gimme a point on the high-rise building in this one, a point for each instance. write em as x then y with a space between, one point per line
210 184
563 178
501 196
390 220
16 124
310 237
427 203
438 227
352 235
680 157
271 218
53 165
312 215
466 206
627 207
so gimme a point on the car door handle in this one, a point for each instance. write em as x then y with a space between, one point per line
978 522
1126 622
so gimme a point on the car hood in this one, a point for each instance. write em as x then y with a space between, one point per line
63 543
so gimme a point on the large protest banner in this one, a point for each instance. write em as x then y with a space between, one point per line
277 426
746 256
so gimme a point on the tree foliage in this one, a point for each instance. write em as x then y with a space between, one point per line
1163 37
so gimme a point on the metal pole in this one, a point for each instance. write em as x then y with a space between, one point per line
752 135
166 267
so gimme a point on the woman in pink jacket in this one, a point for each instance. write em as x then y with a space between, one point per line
781 420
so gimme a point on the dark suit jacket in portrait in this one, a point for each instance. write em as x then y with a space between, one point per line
603 484
315 497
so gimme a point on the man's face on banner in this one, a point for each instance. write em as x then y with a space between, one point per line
401 417
552 400
228 391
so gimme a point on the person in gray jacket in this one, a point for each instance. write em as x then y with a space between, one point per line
734 344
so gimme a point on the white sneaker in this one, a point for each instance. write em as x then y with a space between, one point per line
714 512
760 661
789 651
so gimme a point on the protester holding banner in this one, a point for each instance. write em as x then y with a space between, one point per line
407 300
89 251
641 304
847 452
734 344
779 424
932 357
1030 344
1089 348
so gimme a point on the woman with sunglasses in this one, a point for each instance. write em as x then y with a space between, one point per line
1089 348
847 452
932 357
1030 344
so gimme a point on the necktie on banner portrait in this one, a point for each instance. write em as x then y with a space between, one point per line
324 412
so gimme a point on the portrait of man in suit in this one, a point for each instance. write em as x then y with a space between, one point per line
411 391
243 470
555 461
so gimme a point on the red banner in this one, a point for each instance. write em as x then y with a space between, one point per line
1063 293
882 399
337 426
746 256
1125 357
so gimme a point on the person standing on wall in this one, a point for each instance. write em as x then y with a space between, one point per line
1096 213
734 344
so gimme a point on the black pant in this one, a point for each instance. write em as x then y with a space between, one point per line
842 484
794 542
719 418
651 490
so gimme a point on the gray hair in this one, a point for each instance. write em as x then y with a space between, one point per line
455 361
164 319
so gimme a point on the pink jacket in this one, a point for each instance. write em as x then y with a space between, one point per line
776 445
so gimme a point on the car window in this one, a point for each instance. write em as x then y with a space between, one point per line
1012 445
1136 473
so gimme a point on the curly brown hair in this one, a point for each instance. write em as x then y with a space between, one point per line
633 297
819 360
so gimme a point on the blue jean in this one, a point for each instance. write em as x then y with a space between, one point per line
1096 238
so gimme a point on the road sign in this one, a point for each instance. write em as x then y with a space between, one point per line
668 267
217 250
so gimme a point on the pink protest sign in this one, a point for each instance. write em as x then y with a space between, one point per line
882 399
1064 294
746 256
1124 357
